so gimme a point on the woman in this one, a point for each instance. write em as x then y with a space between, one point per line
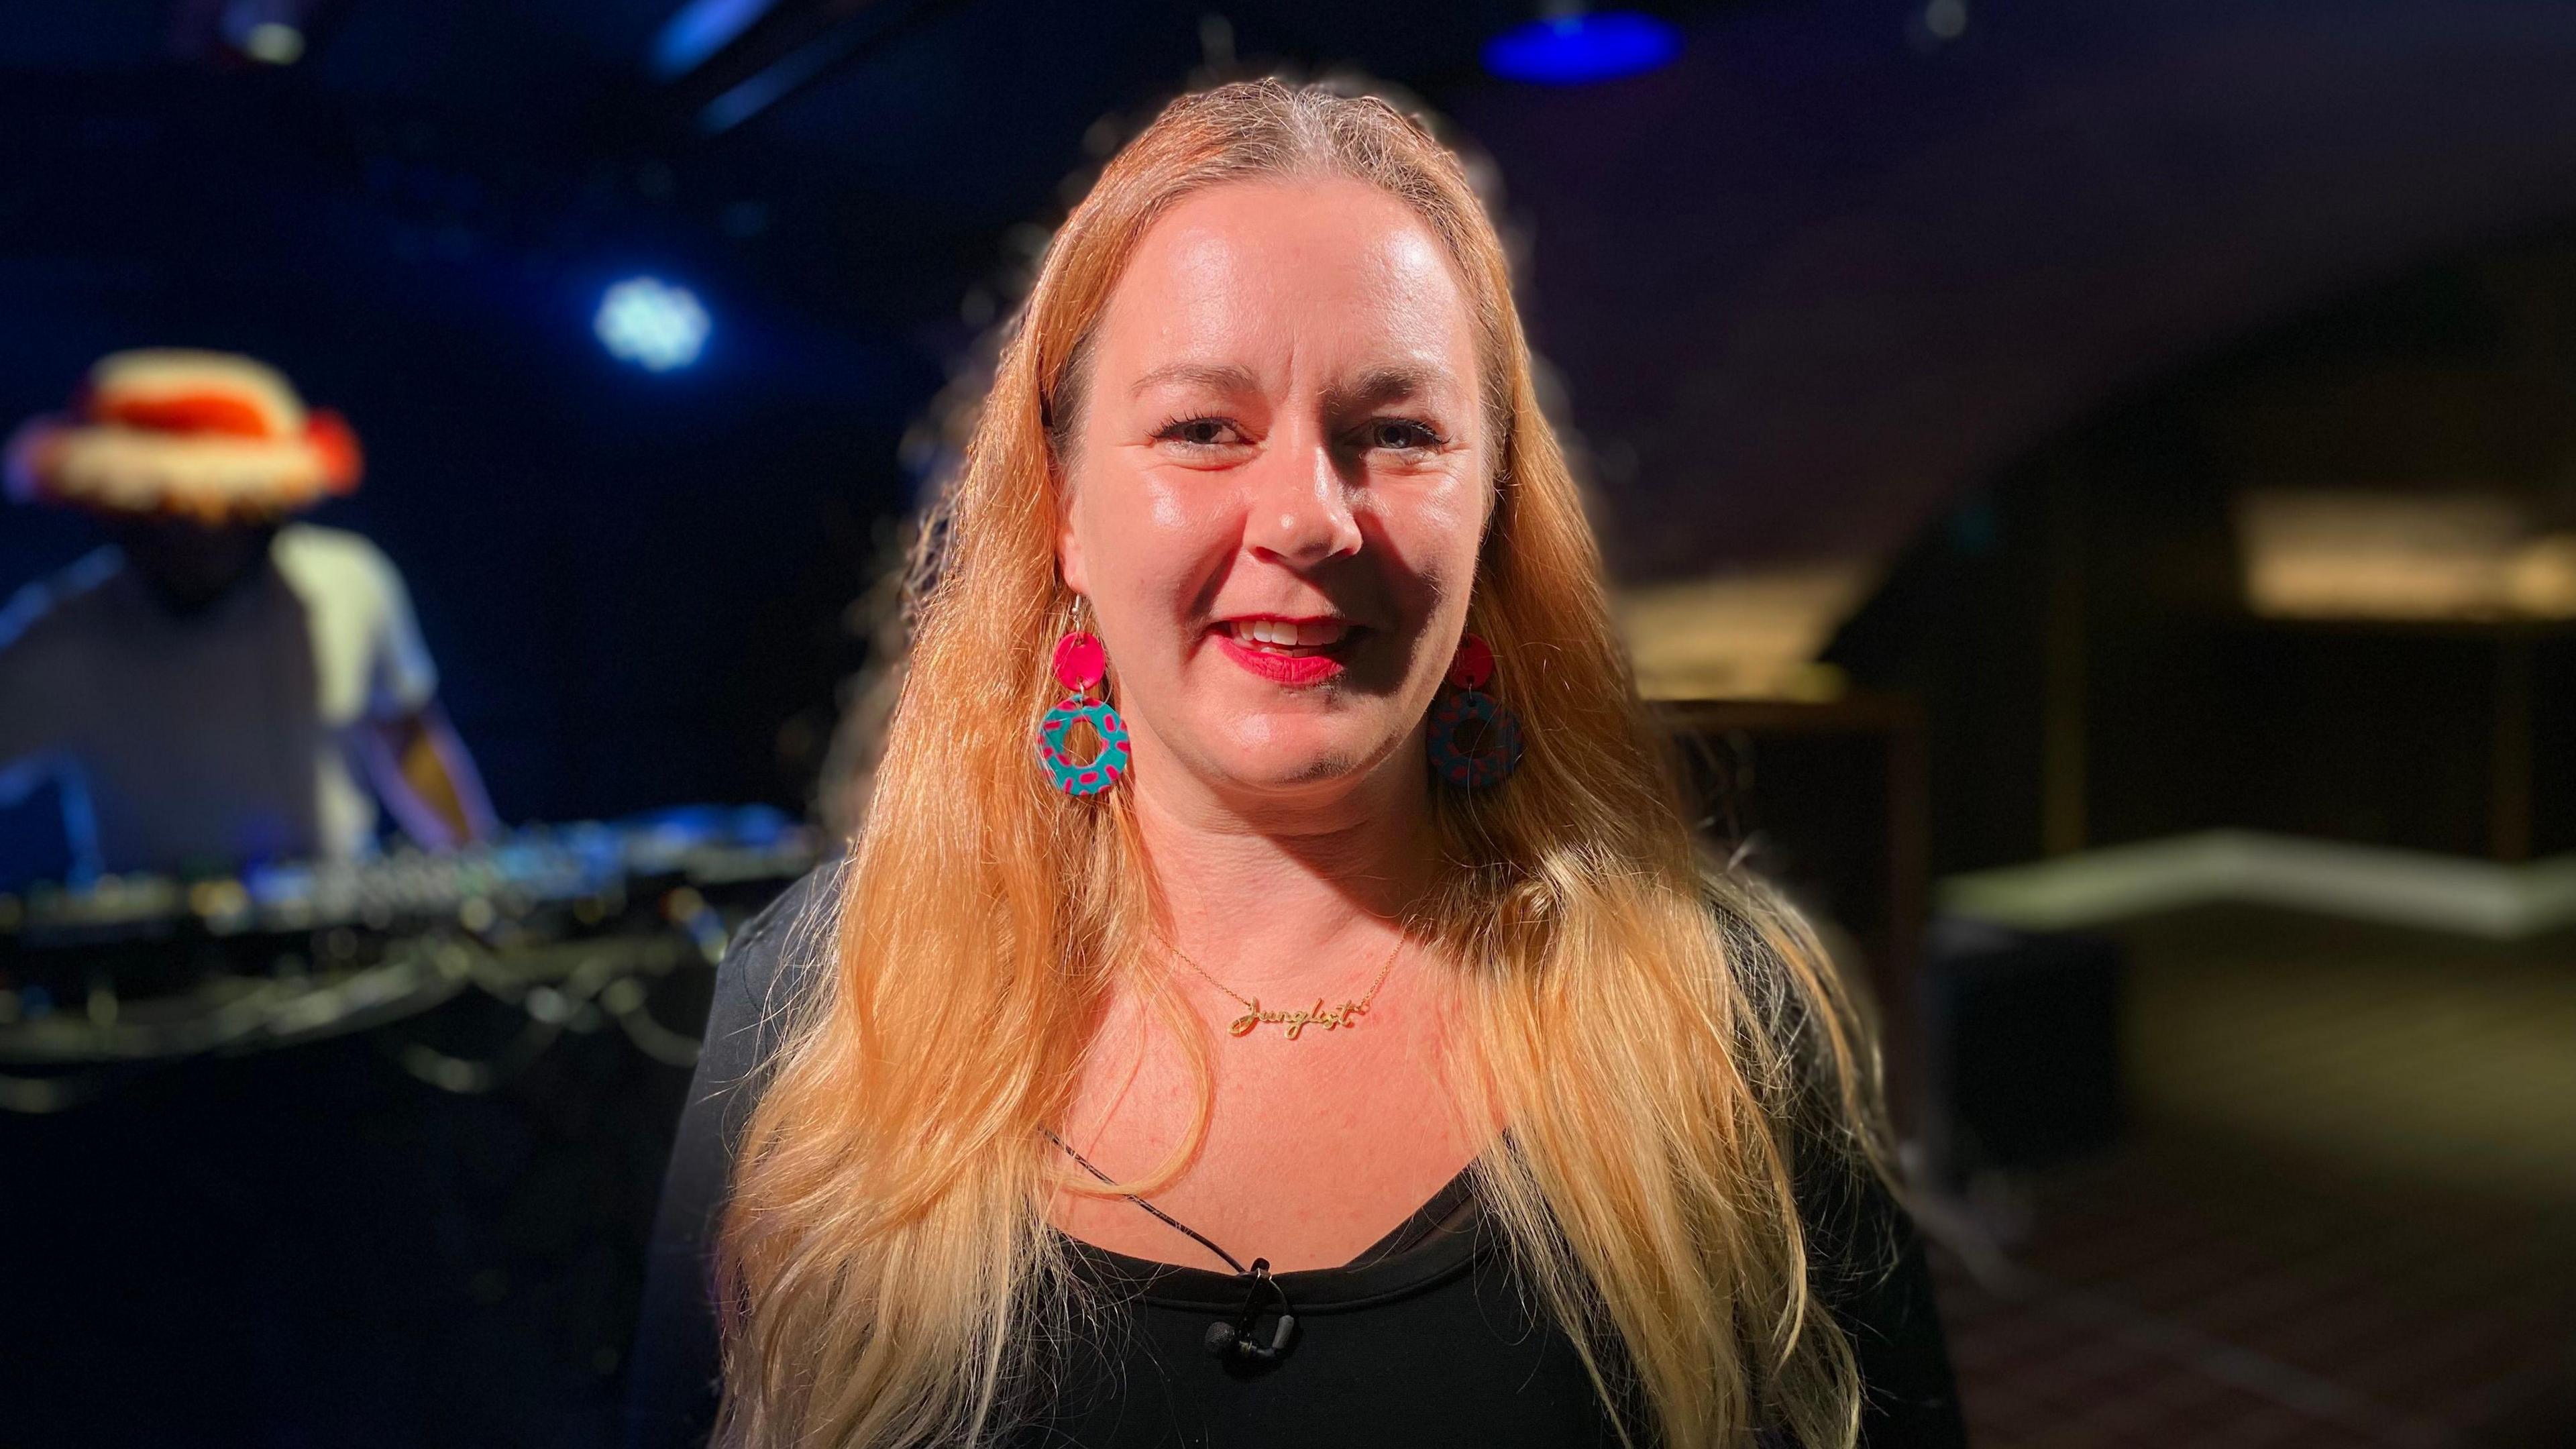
1345 1046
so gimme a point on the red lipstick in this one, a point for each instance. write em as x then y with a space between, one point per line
1289 669
1293 652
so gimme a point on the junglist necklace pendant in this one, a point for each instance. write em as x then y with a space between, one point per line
1297 1021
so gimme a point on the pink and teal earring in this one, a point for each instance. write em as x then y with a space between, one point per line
1474 742
1080 664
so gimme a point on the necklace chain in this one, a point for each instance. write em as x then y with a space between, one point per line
1295 1022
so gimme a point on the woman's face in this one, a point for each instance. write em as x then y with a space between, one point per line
1278 483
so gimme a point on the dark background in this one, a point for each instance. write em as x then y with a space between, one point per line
2012 312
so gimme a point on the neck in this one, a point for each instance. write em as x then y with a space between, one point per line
1291 901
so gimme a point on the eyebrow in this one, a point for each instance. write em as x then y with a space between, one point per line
1375 386
1220 376
1390 384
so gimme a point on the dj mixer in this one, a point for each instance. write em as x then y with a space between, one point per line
576 927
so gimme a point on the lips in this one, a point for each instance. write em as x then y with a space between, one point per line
1289 651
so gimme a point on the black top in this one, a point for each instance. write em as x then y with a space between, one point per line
1427 1338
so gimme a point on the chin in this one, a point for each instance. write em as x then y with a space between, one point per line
1292 753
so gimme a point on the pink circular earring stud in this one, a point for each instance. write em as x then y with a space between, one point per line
1080 664
1469 715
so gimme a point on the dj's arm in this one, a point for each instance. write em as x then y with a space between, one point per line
33 752
21 777
426 778
411 754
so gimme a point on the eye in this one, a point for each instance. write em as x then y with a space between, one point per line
1403 435
1198 433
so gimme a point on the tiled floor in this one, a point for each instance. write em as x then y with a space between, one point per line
2347 1216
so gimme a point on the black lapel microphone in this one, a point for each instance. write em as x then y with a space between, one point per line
1228 1342
1235 1342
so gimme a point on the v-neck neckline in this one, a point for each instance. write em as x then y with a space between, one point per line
1436 1241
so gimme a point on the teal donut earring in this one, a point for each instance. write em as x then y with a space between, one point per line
1081 664
1474 742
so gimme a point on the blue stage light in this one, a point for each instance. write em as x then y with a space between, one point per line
652 324
1573 49
698 30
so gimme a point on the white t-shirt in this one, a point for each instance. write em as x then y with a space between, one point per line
221 737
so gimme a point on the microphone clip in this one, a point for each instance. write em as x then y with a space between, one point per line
1236 1342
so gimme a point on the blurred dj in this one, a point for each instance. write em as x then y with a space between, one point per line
210 689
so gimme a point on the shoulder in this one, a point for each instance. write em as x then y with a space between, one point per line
53 633
773 951
1800 1010
1814 1047
776 964
334 563
320 547
58 602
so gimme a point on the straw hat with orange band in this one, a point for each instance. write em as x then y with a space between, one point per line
206 435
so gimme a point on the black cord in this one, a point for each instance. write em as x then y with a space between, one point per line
1199 1237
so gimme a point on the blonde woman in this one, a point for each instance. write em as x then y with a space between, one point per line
1274 999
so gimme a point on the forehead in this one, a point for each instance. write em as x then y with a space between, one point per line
1330 273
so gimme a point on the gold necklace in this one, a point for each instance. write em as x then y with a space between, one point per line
1296 1022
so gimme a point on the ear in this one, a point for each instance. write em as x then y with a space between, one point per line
1068 543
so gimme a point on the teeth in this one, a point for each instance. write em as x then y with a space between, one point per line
1279 633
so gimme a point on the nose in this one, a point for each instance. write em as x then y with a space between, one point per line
1300 506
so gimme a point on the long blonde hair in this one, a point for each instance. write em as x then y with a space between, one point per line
1663 1040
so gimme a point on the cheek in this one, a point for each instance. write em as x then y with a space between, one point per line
1148 536
1171 505
1435 539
